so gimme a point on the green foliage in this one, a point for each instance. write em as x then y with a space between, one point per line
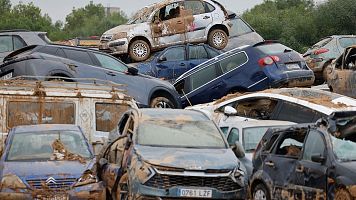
299 23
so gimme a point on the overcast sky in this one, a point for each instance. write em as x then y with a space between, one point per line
59 9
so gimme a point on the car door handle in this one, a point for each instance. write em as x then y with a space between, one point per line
300 169
179 22
270 164
206 17
111 74
182 64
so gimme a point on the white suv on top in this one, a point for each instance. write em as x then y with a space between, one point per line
167 23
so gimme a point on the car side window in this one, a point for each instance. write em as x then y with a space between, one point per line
290 144
6 44
18 42
295 113
196 6
52 51
208 7
212 52
197 52
233 136
110 63
108 115
203 76
170 11
232 62
79 56
314 145
224 130
174 54
255 108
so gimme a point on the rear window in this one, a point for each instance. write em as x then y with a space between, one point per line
44 38
107 115
30 113
274 48
239 27
346 42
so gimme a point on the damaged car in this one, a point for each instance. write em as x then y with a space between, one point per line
341 73
168 23
298 105
320 55
268 64
49 162
308 161
170 154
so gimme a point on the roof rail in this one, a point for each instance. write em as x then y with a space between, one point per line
14 30
63 83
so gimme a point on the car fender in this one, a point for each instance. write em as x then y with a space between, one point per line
261 176
209 28
175 97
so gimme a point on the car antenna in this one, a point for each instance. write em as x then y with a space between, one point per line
190 103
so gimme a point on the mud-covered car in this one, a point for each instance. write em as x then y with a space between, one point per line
49 162
173 61
341 73
167 23
170 154
320 55
308 161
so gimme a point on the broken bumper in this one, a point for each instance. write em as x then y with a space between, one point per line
147 193
90 191
294 79
119 46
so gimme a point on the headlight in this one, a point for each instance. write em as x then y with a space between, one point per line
119 35
12 181
87 178
238 173
239 176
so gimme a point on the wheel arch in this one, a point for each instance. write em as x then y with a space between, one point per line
219 26
140 38
162 92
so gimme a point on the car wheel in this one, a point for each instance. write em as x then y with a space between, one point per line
161 102
260 192
342 194
139 50
218 39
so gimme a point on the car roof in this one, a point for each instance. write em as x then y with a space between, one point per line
172 114
324 101
20 30
255 123
46 127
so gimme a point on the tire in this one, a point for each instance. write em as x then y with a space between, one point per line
260 192
161 102
218 39
342 194
139 50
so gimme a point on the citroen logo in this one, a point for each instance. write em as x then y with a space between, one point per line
51 180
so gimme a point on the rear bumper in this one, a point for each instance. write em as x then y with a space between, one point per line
298 78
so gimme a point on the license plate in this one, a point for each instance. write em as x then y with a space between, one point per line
53 197
7 76
293 66
195 193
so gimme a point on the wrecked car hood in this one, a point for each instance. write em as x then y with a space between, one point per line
187 158
122 28
46 168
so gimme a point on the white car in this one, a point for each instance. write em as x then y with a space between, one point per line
248 134
299 105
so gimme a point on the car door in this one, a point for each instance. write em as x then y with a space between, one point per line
172 62
310 176
168 25
197 54
198 18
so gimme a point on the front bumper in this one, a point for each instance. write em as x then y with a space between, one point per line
116 47
90 191
145 192
294 79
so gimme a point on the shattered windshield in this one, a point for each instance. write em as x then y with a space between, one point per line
49 145
186 134
344 149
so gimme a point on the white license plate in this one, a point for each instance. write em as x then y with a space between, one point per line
195 193
293 66
7 76
53 197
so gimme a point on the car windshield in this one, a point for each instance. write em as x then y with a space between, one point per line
48 145
274 48
181 134
346 42
322 43
344 149
142 15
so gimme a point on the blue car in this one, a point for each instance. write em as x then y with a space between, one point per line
48 162
264 65
172 62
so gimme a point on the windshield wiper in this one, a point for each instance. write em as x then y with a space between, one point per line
287 50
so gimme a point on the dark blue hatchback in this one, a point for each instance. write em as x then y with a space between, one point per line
264 65
172 62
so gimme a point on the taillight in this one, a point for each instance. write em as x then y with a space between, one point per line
320 51
269 60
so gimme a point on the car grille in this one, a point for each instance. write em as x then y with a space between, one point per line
167 181
61 184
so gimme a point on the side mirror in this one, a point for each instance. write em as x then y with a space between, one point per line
238 150
318 158
228 110
102 162
162 59
132 71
